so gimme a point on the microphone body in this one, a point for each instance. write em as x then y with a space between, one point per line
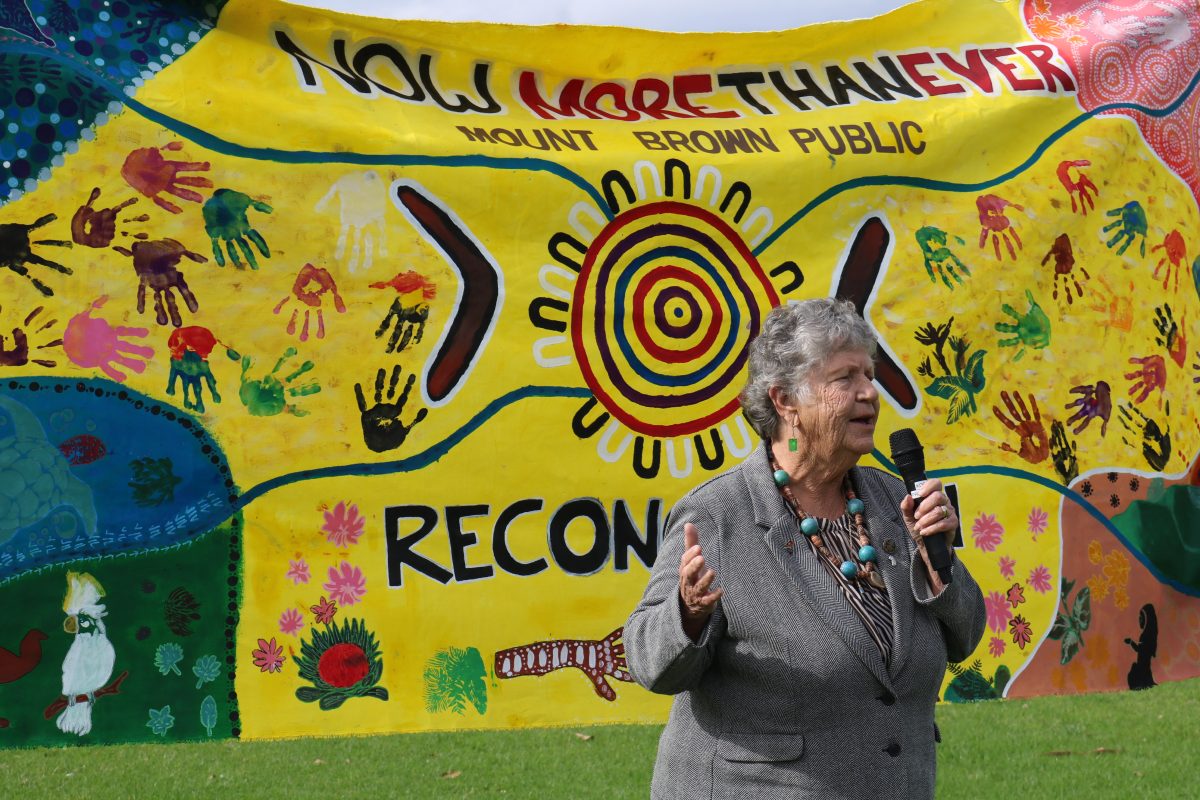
909 458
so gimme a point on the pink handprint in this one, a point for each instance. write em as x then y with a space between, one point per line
1150 373
1081 186
996 224
1175 253
1094 402
146 170
91 342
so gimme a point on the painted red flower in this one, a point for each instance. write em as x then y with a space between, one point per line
1039 579
998 613
268 656
997 646
1021 631
1015 595
1037 521
988 532
1007 567
291 622
346 584
323 611
343 525
298 571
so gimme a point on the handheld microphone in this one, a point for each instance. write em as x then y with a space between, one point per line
909 458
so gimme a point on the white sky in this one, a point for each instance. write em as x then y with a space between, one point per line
667 15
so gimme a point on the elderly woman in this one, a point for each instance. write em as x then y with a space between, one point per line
792 609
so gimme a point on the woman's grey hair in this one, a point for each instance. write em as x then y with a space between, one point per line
795 338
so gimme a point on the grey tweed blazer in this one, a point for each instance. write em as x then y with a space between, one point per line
786 695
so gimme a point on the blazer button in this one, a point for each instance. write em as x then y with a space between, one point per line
887 698
893 749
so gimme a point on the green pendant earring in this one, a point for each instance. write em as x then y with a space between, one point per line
793 443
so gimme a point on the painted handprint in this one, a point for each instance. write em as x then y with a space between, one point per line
363 197
310 287
1034 445
267 396
18 356
407 324
190 348
940 260
1174 254
1094 402
1032 328
1081 185
156 264
16 251
1155 440
226 222
1170 335
381 425
97 227
1149 374
1116 308
1063 452
148 172
409 282
996 224
1064 264
92 342
1130 225
596 659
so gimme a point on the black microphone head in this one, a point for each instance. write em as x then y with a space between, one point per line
907 452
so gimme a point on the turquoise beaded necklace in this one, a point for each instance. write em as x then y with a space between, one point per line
809 526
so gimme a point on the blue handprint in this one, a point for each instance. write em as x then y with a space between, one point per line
1130 224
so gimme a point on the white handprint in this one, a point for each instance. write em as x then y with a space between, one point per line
363 198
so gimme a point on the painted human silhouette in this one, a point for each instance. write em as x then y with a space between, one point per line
1140 674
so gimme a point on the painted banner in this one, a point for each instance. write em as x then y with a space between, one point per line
350 367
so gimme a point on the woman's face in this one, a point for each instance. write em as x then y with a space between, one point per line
840 419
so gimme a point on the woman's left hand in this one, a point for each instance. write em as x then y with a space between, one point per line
932 516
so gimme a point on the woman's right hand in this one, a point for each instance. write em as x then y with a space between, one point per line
697 602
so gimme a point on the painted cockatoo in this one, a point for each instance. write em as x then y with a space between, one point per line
89 661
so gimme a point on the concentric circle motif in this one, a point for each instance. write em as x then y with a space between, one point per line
667 299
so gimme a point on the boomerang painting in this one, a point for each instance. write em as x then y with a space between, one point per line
349 368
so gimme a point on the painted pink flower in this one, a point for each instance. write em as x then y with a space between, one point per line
298 571
343 525
998 613
323 611
1015 595
1039 579
268 656
346 584
1007 567
291 622
1021 631
1037 521
988 532
996 646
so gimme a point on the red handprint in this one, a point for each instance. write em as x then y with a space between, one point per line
146 170
409 281
310 287
1035 446
93 227
1150 374
1064 262
1082 186
1175 253
996 224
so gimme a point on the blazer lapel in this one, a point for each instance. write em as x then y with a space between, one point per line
815 586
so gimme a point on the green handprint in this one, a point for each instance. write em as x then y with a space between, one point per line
1032 329
225 220
1130 223
938 257
267 396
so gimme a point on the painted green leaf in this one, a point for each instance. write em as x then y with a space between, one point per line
208 713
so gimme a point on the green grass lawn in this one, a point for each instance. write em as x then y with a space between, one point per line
1126 745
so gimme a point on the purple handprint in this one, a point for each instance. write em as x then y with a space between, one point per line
1094 401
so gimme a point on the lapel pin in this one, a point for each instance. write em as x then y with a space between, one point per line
889 546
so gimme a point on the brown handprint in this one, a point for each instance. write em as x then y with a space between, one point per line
1150 373
1035 446
1174 254
310 287
148 172
596 659
1082 186
996 224
16 251
92 227
18 356
1170 335
1064 263
155 263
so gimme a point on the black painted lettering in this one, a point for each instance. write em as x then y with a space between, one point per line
400 549
504 557
592 514
461 541
627 537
